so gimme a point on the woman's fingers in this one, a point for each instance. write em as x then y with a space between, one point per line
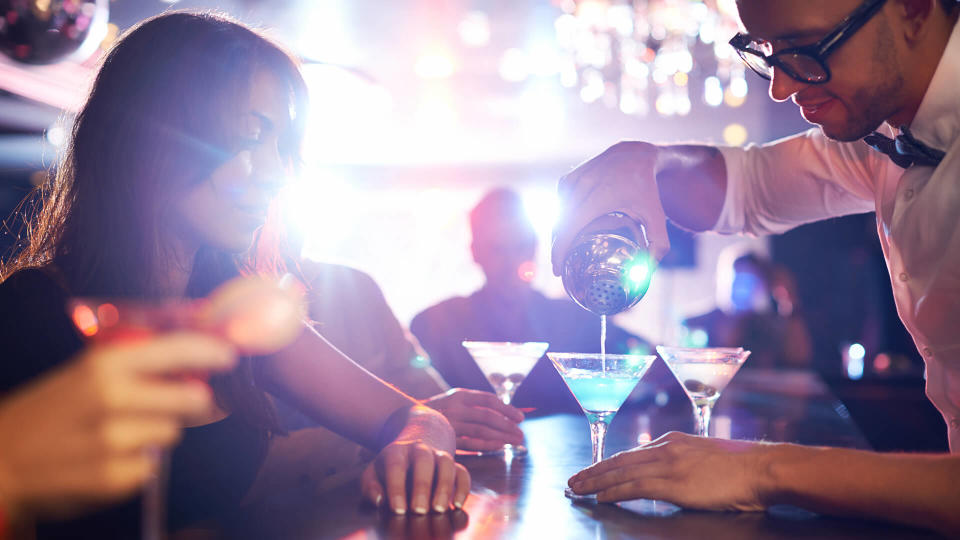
370 486
462 487
421 481
488 418
476 398
470 443
446 479
394 461
482 432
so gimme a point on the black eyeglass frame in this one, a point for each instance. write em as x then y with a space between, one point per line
818 52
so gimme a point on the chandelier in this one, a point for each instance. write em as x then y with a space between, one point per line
640 55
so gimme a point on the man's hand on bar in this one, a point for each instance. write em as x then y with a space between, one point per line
692 472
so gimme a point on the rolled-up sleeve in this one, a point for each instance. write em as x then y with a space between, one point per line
807 177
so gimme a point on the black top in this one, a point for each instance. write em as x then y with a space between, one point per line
211 469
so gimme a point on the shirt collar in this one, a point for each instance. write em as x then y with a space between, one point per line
937 122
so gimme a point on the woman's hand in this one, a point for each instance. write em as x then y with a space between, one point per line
481 421
84 433
692 472
417 469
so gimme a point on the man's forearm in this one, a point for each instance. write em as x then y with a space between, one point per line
915 489
692 181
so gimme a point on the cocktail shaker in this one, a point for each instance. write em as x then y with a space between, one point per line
608 268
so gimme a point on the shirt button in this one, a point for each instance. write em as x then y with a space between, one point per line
903 276
927 351
908 194
955 423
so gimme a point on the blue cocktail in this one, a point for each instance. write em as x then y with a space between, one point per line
601 383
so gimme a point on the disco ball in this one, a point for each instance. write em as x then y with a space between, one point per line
47 31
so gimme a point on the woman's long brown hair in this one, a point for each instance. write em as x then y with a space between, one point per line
157 120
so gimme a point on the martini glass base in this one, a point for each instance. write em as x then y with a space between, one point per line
574 497
508 451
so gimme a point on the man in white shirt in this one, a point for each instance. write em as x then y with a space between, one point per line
853 67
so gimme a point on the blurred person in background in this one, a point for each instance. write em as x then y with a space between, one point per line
858 69
757 310
190 128
508 308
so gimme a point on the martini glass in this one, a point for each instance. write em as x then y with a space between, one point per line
601 383
505 365
103 320
703 374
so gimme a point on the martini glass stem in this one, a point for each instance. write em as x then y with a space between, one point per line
598 436
702 412
153 521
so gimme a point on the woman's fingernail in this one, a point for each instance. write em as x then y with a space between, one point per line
399 505
420 504
378 499
458 505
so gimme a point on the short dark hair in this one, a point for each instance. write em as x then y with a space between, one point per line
949 5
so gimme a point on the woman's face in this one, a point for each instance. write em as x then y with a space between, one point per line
224 210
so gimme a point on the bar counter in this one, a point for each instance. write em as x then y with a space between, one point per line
523 497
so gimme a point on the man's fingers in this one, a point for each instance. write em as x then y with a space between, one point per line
636 456
421 481
646 488
614 477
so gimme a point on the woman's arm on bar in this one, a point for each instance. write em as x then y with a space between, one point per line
348 399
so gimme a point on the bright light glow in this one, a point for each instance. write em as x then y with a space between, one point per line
514 66
734 134
665 105
738 86
680 78
882 362
543 209
593 86
853 358
731 99
435 64
543 112
318 205
543 58
712 91
324 34
639 273
527 271
474 29
683 104
699 338
56 135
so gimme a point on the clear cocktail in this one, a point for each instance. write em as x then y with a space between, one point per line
601 383
703 374
505 365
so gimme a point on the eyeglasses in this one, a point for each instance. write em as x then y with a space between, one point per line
808 63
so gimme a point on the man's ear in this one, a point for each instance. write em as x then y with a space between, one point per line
915 17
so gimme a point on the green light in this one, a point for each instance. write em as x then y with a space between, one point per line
420 361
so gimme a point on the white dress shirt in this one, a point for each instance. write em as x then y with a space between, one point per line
808 177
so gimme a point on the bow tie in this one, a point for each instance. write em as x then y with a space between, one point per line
905 150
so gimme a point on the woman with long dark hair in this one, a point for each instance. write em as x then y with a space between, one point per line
188 131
